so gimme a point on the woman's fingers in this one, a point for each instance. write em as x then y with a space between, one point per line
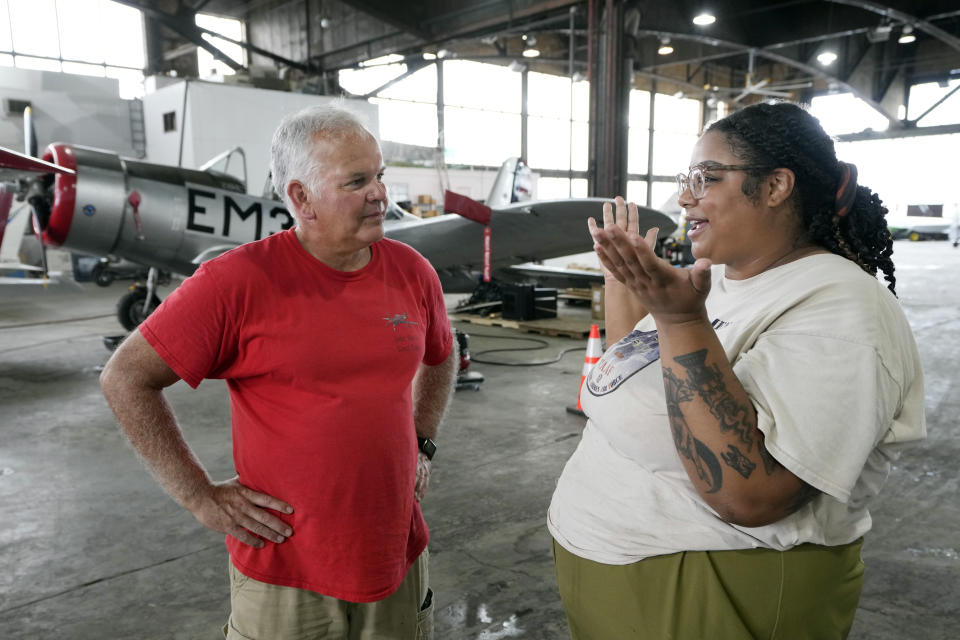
621 210
610 263
633 218
608 219
651 236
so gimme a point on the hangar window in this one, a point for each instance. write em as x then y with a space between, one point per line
481 113
676 124
560 188
408 109
557 128
169 121
840 113
372 74
926 95
86 37
209 67
408 106
479 137
881 167
638 134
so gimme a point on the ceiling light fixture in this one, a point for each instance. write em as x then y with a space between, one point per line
427 55
704 18
906 36
531 52
665 48
826 58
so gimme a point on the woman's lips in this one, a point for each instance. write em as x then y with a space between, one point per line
696 226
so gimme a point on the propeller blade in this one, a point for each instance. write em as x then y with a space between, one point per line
14 166
29 133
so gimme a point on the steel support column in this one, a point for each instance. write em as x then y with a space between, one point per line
524 113
609 99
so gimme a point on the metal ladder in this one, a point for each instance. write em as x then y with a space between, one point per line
138 130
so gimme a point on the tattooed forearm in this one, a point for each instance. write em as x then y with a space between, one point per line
707 381
704 461
737 461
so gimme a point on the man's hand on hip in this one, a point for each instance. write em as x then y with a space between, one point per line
233 509
423 476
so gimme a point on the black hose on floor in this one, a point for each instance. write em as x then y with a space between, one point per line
541 344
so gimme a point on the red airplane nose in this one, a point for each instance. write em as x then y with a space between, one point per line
64 194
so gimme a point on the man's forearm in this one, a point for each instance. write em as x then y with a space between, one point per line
148 421
432 389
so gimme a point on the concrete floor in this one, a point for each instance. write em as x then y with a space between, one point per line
91 548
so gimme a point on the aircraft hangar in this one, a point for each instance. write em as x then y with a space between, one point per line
154 117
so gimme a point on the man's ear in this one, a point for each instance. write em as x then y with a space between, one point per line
779 183
300 197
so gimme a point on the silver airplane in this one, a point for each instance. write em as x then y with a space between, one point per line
172 219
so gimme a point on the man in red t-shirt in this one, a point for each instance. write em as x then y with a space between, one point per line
338 354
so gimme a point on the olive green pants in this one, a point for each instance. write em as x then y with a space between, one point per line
261 611
807 593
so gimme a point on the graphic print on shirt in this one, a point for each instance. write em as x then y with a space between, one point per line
398 319
633 353
404 340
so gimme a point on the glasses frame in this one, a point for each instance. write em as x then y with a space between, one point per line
686 181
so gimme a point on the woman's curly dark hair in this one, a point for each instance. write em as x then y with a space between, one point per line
784 135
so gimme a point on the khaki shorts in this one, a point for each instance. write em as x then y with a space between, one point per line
261 611
807 593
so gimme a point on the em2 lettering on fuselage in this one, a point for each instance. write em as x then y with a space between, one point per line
215 212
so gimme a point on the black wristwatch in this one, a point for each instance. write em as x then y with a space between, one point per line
427 446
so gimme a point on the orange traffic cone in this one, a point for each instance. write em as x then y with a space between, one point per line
594 351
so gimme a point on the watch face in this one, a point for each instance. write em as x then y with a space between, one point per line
428 446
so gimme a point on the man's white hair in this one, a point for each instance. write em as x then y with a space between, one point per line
290 150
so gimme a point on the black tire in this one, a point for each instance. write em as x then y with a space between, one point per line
102 275
130 308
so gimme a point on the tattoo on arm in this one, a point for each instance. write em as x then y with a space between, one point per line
770 463
737 461
707 381
704 461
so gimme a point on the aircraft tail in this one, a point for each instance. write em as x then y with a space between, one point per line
514 183
466 207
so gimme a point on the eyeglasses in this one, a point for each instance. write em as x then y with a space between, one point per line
698 180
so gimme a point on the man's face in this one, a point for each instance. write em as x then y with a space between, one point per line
347 198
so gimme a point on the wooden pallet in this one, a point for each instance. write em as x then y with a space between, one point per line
558 327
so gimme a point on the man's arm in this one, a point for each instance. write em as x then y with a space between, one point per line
133 382
432 388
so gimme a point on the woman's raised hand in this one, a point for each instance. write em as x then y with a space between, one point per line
670 294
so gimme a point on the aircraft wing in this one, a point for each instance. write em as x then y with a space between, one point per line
15 166
558 276
522 232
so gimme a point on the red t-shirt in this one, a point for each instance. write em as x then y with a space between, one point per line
320 365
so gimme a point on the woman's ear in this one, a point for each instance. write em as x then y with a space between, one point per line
780 183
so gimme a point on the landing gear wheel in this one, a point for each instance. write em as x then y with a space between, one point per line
102 275
130 308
